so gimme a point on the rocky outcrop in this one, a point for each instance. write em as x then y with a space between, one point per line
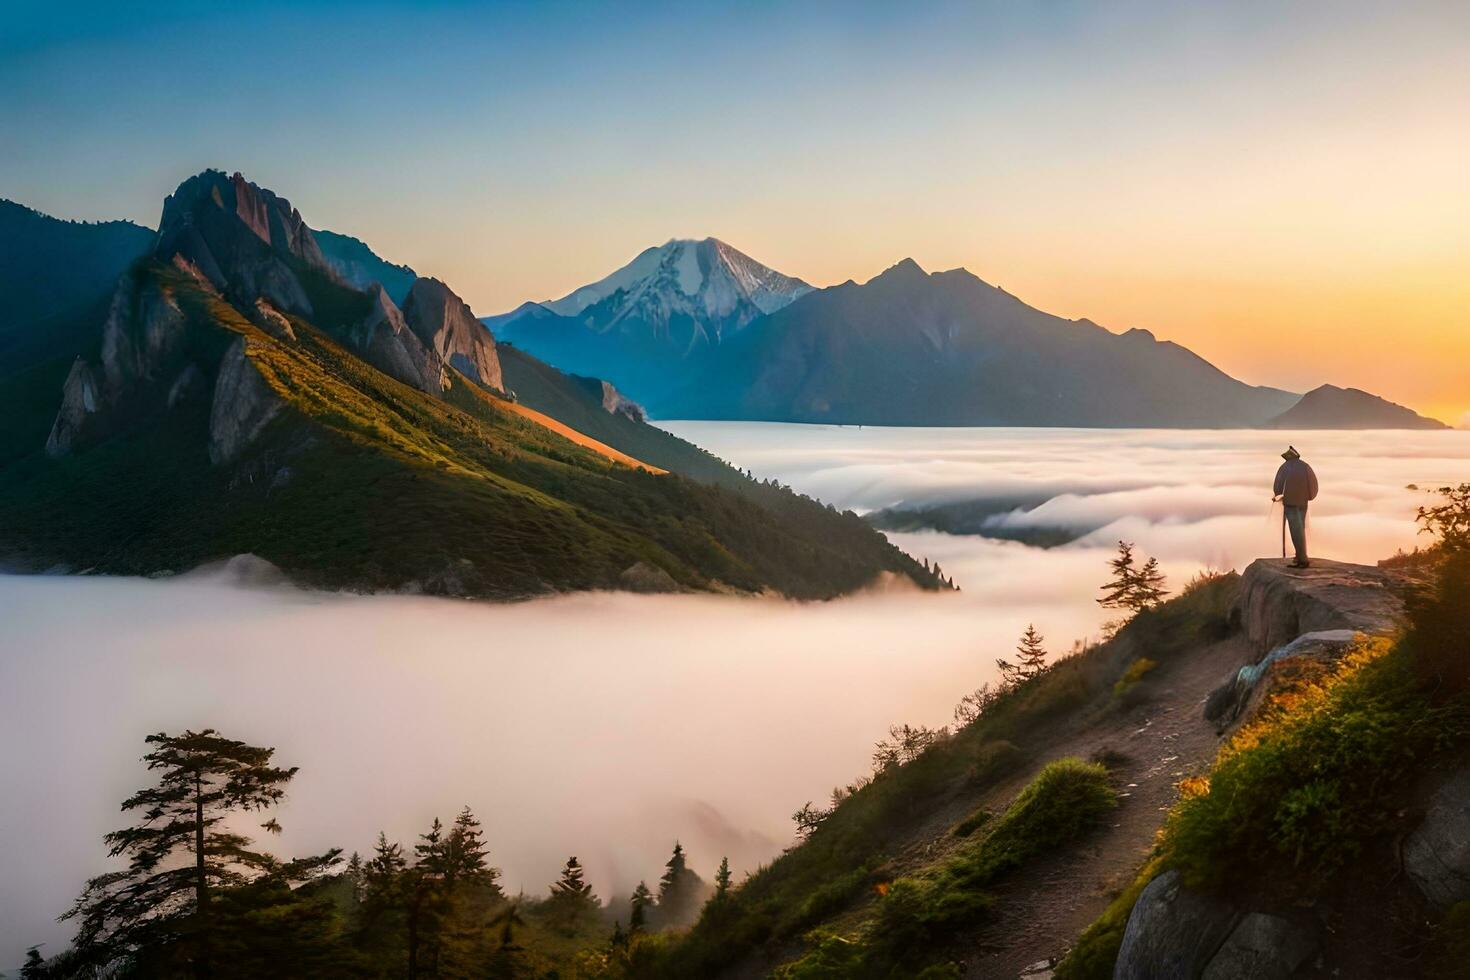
1437 853
243 405
1239 697
1278 603
613 403
143 330
246 241
445 324
80 401
390 346
648 578
1175 933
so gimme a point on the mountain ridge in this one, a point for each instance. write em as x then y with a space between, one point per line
244 397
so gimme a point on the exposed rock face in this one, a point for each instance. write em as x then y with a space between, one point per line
1172 932
80 400
243 405
445 324
1437 853
242 238
1261 947
390 346
1278 603
613 403
144 326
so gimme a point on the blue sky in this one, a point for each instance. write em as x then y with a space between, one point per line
1224 174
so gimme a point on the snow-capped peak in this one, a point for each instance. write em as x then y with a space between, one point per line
704 277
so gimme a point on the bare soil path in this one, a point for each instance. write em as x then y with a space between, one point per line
1162 740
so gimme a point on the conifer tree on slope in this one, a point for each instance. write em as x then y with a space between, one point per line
1030 659
722 878
639 904
157 900
679 891
1132 587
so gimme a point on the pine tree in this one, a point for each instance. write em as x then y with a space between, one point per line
722 878
1149 589
571 897
204 778
1118 591
465 857
641 901
572 880
679 891
355 877
1031 653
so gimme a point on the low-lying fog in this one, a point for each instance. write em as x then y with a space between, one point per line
606 726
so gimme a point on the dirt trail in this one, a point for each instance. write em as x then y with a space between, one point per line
1164 739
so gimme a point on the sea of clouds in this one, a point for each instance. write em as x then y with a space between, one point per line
606 726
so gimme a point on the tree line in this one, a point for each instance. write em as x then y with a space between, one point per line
198 898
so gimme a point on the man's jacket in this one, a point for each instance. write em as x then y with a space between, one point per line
1296 484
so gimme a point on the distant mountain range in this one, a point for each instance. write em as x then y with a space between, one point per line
650 323
906 348
228 385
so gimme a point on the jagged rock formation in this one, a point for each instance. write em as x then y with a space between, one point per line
443 322
241 238
390 346
80 400
1331 407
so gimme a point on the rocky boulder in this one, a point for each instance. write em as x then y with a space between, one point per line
1278 603
1173 933
1261 947
1239 696
1437 853
445 324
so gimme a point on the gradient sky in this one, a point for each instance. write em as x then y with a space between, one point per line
1283 188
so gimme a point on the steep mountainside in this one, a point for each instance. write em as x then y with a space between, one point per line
913 348
243 398
360 266
50 267
55 277
652 322
1331 407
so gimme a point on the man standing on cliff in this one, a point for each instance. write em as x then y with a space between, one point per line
1296 486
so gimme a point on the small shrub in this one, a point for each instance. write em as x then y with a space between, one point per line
1133 676
973 822
1313 779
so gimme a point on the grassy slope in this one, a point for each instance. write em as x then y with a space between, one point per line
824 897
1308 803
390 487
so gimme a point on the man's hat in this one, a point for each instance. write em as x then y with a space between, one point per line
1291 453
